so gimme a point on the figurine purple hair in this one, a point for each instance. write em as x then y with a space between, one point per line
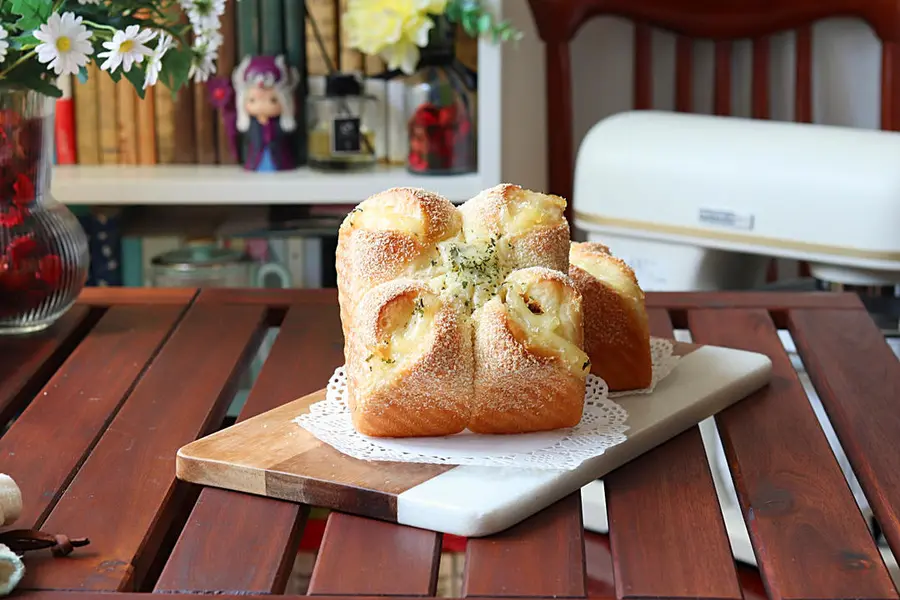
260 105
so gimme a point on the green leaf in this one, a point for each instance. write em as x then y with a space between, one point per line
136 77
176 66
470 22
26 41
32 13
453 12
484 23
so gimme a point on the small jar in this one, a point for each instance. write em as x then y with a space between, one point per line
441 110
341 135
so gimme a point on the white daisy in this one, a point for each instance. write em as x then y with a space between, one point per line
126 48
204 63
4 45
65 43
83 2
154 61
204 14
211 38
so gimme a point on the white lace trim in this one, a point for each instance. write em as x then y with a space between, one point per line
602 426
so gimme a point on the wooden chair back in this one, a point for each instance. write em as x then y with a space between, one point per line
722 21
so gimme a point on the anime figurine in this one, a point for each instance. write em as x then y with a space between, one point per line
258 103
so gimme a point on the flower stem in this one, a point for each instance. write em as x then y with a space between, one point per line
99 25
21 60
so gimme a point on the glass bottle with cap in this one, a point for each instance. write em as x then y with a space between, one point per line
341 134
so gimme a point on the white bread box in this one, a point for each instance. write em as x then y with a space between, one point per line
697 202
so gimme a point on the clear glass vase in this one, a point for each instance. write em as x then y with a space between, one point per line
441 109
44 256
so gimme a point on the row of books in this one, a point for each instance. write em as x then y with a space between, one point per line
122 251
101 122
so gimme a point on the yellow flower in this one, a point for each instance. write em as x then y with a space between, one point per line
393 29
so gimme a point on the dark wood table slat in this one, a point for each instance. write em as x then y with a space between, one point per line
361 556
117 296
273 298
857 378
206 557
27 362
125 496
541 556
51 439
663 506
774 301
810 538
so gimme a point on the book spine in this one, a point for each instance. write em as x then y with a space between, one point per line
373 65
248 42
65 123
146 128
109 135
185 140
271 23
126 126
295 55
204 125
324 13
350 60
87 125
225 67
248 28
165 124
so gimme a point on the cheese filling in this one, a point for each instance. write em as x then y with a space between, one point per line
389 215
611 274
545 313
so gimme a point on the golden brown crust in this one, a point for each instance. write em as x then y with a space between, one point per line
530 227
516 390
529 372
424 393
372 250
616 327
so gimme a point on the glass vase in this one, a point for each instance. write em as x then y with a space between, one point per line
44 256
441 107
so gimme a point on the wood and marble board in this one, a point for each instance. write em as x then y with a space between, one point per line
271 455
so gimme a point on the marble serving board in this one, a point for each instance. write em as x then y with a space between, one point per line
271 455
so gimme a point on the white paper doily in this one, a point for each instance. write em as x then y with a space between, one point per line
664 362
602 427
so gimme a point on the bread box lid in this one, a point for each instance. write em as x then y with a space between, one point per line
812 192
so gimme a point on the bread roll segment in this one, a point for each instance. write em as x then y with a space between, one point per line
530 369
390 234
410 365
529 227
616 326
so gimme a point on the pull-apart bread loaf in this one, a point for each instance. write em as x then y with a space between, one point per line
616 327
462 318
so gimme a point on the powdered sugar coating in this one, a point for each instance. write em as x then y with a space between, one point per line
616 326
429 393
440 254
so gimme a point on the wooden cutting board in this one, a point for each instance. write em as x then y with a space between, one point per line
271 455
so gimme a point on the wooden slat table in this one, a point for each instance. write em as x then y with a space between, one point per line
100 403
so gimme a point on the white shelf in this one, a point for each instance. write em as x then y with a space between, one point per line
231 185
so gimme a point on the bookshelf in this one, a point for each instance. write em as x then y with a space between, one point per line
511 147
202 185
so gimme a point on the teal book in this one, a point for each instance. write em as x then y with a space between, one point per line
271 17
132 261
295 54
